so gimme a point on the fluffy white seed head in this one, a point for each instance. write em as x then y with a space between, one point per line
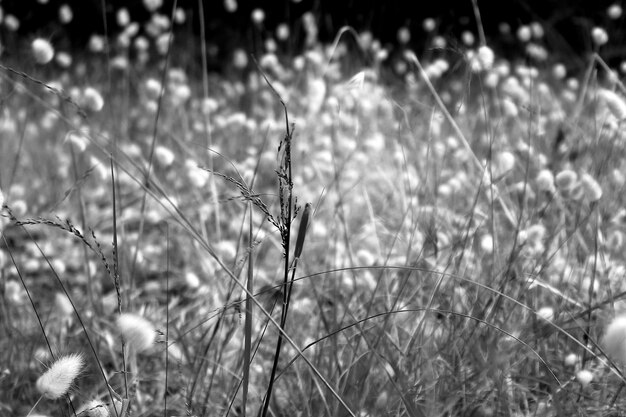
11 23
486 57
545 181
566 179
282 32
537 30
92 99
164 156
546 313
65 14
42 51
571 359
258 16
137 331
599 36
152 5
614 102
524 33
57 380
615 339
429 24
584 377
468 38
592 189
559 71
504 162
486 243
230 6
404 35
614 11
122 17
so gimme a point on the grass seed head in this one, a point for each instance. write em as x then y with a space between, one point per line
92 99
546 313
614 11
584 377
545 181
599 36
615 339
57 380
138 332
43 51
592 189
566 179
614 102
571 359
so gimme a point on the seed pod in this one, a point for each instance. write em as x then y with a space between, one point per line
304 222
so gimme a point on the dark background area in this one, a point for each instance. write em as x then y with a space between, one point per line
567 24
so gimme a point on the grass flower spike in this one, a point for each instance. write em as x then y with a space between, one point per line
138 332
56 381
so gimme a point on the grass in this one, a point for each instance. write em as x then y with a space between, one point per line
309 238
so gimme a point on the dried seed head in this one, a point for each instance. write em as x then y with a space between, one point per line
306 216
56 381
138 332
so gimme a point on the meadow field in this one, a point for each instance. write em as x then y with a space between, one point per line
349 230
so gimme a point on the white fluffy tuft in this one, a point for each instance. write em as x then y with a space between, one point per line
56 381
138 332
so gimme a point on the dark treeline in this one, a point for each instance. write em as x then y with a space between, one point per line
567 23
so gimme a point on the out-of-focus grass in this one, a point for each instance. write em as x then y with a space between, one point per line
415 294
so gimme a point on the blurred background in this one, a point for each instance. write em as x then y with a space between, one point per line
231 24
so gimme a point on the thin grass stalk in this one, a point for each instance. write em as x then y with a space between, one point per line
116 275
248 322
285 223
207 121
167 315
479 23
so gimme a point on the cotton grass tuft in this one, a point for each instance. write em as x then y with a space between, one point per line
137 331
57 380
584 377
614 102
43 52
